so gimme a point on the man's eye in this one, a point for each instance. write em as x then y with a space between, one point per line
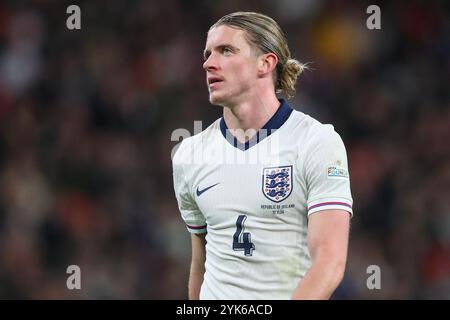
226 51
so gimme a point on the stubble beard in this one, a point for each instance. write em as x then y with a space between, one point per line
228 98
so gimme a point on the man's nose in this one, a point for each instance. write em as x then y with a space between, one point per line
210 63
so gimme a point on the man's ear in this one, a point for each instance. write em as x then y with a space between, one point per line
267 63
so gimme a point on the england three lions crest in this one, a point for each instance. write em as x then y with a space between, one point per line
277 183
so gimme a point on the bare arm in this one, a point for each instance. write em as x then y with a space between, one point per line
197 265
327 241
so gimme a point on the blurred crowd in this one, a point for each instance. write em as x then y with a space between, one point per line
86 118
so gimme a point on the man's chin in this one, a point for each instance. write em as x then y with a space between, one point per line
216 99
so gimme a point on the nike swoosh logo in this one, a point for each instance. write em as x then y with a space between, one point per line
199 192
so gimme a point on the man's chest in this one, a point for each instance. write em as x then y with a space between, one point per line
224 192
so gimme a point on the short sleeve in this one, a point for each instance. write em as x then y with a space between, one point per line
326 173
192 216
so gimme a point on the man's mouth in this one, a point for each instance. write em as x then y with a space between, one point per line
212 80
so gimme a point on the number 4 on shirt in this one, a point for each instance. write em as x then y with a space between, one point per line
246 244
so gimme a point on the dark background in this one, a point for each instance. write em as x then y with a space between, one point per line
86 118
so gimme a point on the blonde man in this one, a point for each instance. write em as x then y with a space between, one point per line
276 227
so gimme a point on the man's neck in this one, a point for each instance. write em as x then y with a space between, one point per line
250 116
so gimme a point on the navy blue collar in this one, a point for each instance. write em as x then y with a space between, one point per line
274 123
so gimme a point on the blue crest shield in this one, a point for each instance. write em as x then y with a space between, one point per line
277 183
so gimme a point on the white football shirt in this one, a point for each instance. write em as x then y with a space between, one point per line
253 201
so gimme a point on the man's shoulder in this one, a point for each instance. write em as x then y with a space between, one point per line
309 128
187 148
203 137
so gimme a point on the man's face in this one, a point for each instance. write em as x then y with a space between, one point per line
230 65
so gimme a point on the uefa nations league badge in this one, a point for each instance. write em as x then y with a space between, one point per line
277 183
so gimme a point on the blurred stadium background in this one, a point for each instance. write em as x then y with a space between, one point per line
86 119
